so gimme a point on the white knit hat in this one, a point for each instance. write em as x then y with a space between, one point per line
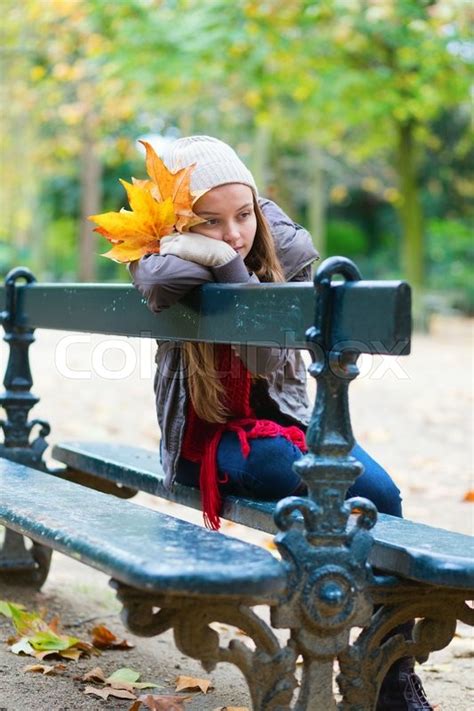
216 163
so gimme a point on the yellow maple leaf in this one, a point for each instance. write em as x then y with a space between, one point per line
136 232
159 206
177 186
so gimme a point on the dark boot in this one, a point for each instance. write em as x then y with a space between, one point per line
402 689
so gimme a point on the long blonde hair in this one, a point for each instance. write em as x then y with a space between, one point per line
205 388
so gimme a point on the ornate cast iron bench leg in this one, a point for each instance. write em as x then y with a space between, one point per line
328 570
19 564
268 670
365 664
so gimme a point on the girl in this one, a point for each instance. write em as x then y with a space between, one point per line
233 418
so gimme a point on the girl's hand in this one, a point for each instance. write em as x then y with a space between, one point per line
197 248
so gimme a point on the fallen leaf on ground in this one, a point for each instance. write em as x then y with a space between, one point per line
38 638
108 691
124 674
6 608
123 679
103 638
162 703
128 679
73 654
20 617
191 683
95 674
469 496
45 668
121 685
49 641
22 647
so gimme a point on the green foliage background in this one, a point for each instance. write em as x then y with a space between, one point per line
352 114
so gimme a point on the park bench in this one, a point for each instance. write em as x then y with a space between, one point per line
337 571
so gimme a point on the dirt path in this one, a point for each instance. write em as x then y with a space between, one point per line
414 415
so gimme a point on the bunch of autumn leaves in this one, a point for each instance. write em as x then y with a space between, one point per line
159 206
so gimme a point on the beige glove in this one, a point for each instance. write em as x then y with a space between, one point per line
197 248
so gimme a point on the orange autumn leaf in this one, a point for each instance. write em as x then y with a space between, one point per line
103 638
137 232
469 496
188 683
176 186
45 668
159 206
96 674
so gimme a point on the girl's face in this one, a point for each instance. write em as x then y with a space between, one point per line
230 216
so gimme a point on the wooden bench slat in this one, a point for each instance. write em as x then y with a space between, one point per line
413 550
374 315
140 547
423 553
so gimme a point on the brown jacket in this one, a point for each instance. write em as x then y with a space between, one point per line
280 394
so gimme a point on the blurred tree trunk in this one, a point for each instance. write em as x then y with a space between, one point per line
317 199
90 192
411 212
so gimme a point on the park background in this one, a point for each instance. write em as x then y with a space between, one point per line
354 116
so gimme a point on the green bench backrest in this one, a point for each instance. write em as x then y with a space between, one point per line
373 317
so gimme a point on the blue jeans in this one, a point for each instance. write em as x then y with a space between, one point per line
267 473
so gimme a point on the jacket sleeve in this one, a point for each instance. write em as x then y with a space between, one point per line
305 274
164 280
293 242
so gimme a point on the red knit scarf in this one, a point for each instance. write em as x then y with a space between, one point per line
201 438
